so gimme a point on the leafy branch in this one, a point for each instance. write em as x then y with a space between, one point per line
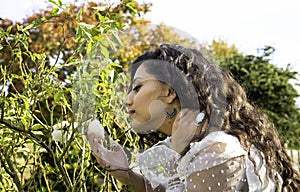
45 146
10 169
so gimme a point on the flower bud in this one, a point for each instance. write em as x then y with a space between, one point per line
96 129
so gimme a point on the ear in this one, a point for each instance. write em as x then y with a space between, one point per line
171 97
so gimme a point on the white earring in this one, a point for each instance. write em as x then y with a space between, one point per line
199 118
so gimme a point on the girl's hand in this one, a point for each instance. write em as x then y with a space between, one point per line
113 158
184 130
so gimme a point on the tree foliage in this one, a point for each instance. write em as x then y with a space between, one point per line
51 63
267 86
58 72
141 37
59 32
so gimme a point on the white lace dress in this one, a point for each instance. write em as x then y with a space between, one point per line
216 163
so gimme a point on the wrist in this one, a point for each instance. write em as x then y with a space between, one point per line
130 177
180 148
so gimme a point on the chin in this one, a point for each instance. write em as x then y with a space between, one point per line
140 128
155 122
144 128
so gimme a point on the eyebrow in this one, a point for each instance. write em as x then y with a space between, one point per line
135 79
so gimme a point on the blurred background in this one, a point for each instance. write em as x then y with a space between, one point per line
249 25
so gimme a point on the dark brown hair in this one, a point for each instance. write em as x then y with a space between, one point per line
226 105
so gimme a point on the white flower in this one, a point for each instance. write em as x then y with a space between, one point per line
96 129
60 135
61 125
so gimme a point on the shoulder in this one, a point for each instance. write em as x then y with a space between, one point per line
217 143
214 149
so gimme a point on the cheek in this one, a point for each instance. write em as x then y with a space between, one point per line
152 120
145 97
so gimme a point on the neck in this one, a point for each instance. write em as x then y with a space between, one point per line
166 127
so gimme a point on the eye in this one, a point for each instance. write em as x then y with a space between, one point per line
137 88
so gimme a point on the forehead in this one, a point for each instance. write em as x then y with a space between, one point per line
142 73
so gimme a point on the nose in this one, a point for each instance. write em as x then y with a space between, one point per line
128 99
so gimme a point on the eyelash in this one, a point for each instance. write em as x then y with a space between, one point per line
137 88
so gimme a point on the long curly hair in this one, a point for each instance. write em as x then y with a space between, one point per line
227 108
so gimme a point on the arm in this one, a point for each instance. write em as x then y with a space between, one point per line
216 163
115 161
228 176
130 177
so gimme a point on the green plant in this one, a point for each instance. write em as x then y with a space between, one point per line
43 116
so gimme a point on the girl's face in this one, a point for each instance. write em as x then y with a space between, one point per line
146 101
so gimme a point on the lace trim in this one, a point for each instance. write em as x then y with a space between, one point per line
158 164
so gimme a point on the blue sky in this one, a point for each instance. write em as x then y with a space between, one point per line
247 24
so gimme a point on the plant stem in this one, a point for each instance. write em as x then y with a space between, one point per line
49 150
11 170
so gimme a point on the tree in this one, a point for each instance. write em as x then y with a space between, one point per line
141 37
57 32
268 86
45 60
50 61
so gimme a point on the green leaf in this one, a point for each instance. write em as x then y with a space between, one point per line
18 27
36 127
130 5
30 26
116 38
57 97
87 35
79 15
104 51
84 31
57 3
89 48
60 3
78 33
55 10
53 2
85 25
9 29
38 132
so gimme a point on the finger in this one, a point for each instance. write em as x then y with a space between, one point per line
99 150
181 114
104 156
184 112
188 117
182 120
92 137
115 146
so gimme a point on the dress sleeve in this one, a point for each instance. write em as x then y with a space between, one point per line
228 176
217 163
158 164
